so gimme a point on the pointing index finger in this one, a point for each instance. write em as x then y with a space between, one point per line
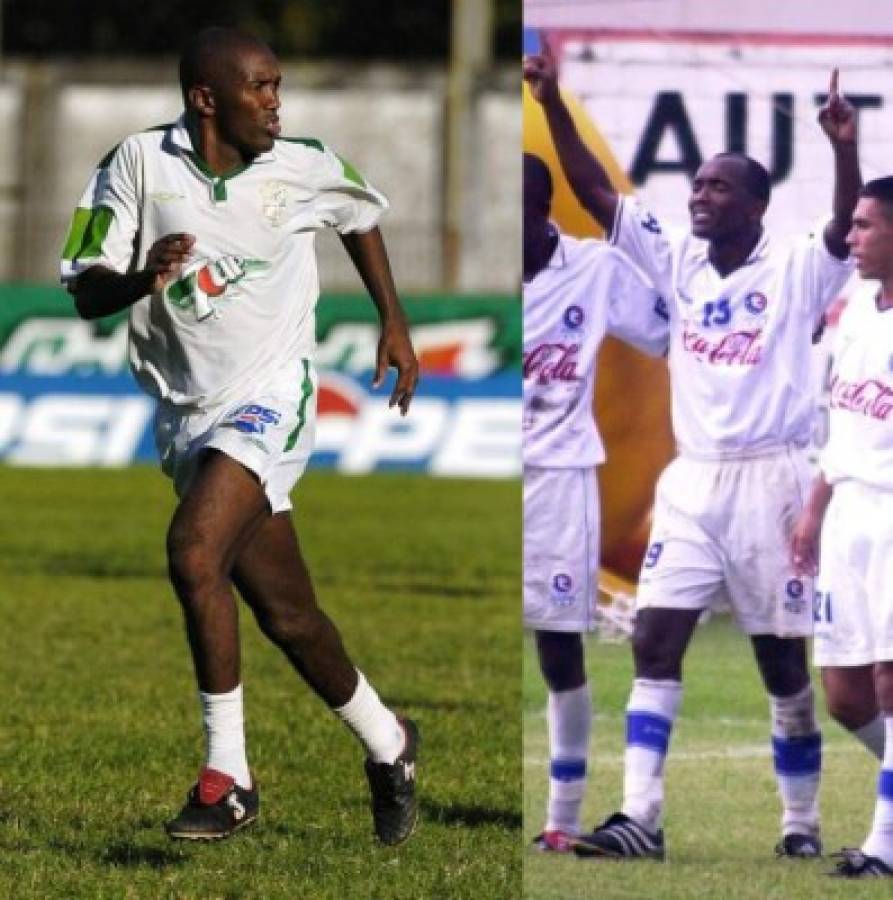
834 76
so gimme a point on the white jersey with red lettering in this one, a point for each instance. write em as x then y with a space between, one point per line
741 377
243 307
585 291
860 443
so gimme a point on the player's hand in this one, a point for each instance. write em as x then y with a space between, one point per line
838 117
395 349
541 73
804 543
167 256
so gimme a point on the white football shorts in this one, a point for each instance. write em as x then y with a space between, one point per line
270 432
561 549
854 590
720 533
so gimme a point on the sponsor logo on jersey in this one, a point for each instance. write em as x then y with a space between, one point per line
252 419
756 303
205 279
551 362
738 348
573 317
870 398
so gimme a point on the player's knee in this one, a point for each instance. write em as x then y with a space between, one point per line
292 630
191 564
654 658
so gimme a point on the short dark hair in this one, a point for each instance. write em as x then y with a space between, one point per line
537 179
880 189
757 180
208 52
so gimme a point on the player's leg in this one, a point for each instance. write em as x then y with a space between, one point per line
561 540
796 740
217 513
569 713
274 581
852 703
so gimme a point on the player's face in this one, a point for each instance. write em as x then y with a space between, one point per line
719 204
247 102
871 239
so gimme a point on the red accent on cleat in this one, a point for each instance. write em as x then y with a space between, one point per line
213 785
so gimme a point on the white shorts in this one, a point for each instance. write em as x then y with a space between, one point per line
561 546
720 532
269 432
854 591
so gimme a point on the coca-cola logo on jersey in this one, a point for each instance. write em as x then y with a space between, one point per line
871 398
738 348
552 362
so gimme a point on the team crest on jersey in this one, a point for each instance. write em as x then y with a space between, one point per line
562 587
274 201
756 303
573 317
649 223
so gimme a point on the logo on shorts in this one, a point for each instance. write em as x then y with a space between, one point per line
795 602
252 419
562 587
756 303
573 317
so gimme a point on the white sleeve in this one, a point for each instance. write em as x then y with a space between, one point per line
105 224
821 275
642 238
637 314
346 201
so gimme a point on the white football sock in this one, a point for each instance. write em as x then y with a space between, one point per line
879 842
797 755
872 736
650 715
225 734
373 723
570 722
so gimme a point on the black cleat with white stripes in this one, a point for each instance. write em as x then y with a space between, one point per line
620 837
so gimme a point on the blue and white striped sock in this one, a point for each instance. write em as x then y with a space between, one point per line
650 715
879 842
570 723
797 755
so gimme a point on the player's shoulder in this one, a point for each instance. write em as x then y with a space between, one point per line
304 151
138 143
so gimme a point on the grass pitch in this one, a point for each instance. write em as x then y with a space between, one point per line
100 732
722 813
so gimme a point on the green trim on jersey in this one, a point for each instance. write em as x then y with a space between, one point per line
306 394
218 182
89 228
307 142
350 173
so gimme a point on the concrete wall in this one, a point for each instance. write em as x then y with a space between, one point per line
56 122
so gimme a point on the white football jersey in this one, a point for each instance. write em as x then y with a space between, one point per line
741 377
587 289
860 441
243 307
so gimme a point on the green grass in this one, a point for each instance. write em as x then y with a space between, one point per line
99 724
722 813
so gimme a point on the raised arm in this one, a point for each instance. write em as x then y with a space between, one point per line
838 120
100 291
368 254
585 174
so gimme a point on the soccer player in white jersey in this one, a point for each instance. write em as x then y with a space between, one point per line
574 293
853 495
742 314
205 229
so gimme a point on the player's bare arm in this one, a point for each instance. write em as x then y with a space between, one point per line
369 256
838 120
587 178
100 291
808 527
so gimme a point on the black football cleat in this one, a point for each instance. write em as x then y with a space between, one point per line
215 808
799 846
855 864
395 809
621 837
